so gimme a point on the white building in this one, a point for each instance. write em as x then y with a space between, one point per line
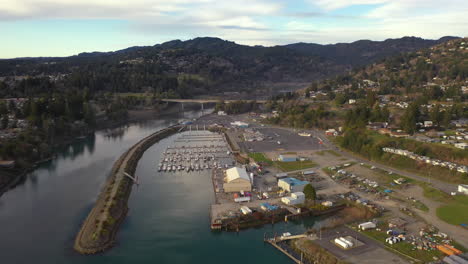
240 124
463 188
428 124
236 180
367 225
295 198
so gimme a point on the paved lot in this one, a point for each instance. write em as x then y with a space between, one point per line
290 141
370 252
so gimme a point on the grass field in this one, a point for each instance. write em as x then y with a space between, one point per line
455 208
295 165
455 212
334 153
260 157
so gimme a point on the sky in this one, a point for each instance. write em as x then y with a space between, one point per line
32 28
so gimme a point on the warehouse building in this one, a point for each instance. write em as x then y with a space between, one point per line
236 180
292 184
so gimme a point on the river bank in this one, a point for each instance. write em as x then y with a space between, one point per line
10 177
101 226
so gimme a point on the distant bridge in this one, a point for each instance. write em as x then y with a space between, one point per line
205 101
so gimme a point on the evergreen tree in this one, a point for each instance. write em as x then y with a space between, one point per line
309 192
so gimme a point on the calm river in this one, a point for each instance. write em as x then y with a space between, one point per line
168 221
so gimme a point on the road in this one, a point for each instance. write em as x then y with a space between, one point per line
327 144
443 186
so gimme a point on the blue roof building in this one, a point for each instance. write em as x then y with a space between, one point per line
292 184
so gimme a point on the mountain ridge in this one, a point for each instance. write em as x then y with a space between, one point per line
208 65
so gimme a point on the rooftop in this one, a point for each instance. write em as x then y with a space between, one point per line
294 181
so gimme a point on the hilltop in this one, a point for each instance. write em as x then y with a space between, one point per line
198 67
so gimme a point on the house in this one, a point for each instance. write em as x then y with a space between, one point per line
463 188
351 101
462 169
221 113
287 157
331 132
428 124
377 125
292 184
384 131
236 180
460 122
461 145
295 198
399 134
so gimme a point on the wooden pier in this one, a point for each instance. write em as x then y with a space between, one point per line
275 244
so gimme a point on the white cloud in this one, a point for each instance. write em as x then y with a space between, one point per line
336 4
256 21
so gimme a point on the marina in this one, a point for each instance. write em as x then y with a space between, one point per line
196 151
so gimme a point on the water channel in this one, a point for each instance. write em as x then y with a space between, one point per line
168 221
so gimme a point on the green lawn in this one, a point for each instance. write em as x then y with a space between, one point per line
260 157
334 153
295 165
455 212
455 208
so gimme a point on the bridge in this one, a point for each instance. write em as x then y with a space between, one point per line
205 101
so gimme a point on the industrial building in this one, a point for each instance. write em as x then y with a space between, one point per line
236 180
292 184
287 157
295 198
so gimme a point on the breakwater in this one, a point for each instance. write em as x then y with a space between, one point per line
100 227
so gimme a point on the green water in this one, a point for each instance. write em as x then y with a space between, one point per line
168 221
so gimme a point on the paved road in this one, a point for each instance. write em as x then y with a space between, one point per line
443 186
327 144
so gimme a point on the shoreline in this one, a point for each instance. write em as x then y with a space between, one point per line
15 176
100 227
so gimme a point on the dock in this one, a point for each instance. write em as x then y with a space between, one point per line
279 243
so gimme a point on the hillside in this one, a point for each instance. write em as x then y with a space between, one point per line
363 52
196 67
439 72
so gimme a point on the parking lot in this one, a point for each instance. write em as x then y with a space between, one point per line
289 141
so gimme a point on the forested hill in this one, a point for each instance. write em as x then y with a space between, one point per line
438 72
364 52
194 67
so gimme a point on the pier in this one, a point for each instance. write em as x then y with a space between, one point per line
280 243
